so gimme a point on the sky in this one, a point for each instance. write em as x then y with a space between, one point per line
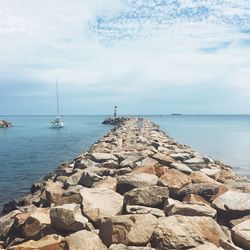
145 56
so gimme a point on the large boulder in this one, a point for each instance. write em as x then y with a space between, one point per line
206 190
84 240
184 232
49 242
174 180
241 234
133 180
130 160
107 182
233 204
101 202
189 209
124 247
163 159
149 196
67 218
200 177
128 229
102 157
156 170
88 179
181 167
135 209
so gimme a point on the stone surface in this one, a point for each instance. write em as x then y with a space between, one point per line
195 198
163 159
234 204
206 190
133 180
155 170
101 202
195 160
241 234
134 209
183 232
149 196
190 209
199 177
131 159
84 240
174 180
67 218
128 229
106 182
124 247
181 167
102 157
88 179
50 242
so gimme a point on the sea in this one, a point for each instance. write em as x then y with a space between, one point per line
31 149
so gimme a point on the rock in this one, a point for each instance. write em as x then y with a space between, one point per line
229 245
207 246
155 170
106 182
134 209
37 224
181 167
238 221
238 185
181 156
131 159
206 190
37 186
148 162
233 204
184 232
128 229
88 179
101 202
123 171
199 177
190 209
195 160
67 218
71 196
110 164
74 179
163 159
174 180
84 240
149 196
102 157
5 228
241 234
195 198
52 193
226 174
49 242
124 247
211 172
132 180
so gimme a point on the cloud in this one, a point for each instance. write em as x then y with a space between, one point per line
124 50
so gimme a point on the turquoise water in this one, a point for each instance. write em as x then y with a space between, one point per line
31 149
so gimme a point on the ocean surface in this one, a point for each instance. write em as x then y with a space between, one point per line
31 149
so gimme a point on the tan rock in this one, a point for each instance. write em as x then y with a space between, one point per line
128 229
184 232
67 218
207 246
124 247
134 209
49 242
84 240
199 177
195 198
157 170
101 202
241 234
106 182
174 180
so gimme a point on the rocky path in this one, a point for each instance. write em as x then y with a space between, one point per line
135 189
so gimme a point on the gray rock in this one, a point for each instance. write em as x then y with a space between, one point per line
134 209
102 157
181 156
133 180
233 204
241 234
163 159
181 167
124 247
148 196
130 160
88 179
195 160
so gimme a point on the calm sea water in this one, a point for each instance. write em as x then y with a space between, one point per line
30 149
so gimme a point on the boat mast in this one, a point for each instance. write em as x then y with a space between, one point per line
57 98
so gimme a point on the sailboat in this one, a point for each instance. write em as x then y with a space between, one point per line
57 123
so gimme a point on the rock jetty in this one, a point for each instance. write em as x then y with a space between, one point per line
116 121
135 189
5 124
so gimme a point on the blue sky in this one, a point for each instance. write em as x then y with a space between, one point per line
146 56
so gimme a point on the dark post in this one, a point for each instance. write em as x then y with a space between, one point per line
115 111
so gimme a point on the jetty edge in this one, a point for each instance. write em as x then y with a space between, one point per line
5 124
135 189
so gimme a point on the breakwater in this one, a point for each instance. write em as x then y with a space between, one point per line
134 187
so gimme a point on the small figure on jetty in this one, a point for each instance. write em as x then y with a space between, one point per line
5 124
140 123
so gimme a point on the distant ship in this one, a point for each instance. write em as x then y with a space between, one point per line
57 123
176 114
